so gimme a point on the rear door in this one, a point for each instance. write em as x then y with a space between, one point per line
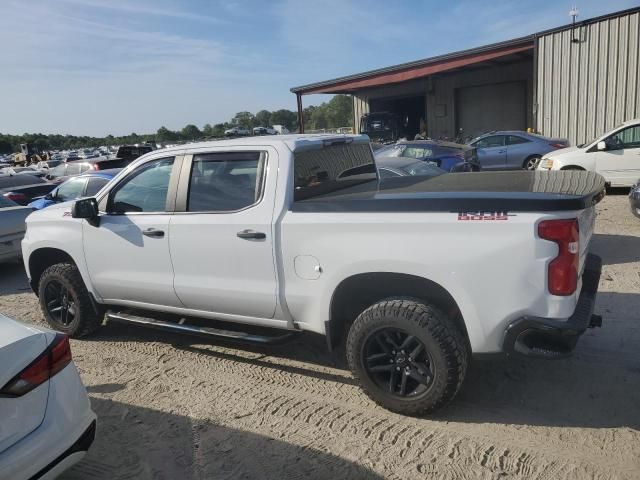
221 234
620 162
518 150
19 346
492 152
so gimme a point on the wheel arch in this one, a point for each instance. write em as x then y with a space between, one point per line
43 258
357 292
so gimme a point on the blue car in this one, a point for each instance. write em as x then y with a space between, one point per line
450 157
86 185
514 150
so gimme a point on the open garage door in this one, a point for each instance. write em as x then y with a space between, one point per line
484 108
411 112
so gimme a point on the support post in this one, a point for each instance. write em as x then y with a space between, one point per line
300 114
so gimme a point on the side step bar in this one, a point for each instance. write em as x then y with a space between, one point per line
200 331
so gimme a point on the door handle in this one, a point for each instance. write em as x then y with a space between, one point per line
251 235
152 232
501 151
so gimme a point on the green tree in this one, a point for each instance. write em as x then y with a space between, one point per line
191 132
244 119
218 129
207 130
165 135
263 118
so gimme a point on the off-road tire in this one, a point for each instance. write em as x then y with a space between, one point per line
86 319
442 339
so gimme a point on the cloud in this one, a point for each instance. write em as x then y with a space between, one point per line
143 9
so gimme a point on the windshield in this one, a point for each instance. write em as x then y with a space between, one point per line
58 171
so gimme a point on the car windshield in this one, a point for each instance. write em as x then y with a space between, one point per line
58 171
5 202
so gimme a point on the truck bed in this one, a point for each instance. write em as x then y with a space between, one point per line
521 191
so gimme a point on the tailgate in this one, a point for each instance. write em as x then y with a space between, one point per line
19 416
586 222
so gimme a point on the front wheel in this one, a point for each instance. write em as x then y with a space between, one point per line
531 163
65 301
407 355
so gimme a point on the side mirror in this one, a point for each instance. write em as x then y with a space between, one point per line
602 145
86 208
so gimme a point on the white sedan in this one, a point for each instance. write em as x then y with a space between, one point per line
46 421
614 155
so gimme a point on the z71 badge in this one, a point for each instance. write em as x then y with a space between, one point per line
481 216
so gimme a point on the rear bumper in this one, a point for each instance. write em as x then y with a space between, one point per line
69 456
553 338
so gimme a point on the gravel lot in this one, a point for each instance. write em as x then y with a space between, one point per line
177 407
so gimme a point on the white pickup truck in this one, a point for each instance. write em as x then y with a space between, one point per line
298 233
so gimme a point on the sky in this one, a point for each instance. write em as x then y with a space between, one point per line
98 67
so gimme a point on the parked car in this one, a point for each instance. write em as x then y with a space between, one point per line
634 199
24 188
451 157
47 421
12 217
614 155
32 170
264 131
306 238
62 172
237 132
128 153
390 167
281 129
382 127
514 150
85 185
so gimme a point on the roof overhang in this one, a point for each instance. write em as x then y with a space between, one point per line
419 69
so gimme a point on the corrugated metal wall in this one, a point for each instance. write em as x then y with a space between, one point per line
589 86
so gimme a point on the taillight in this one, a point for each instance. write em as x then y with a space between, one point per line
563 270
51 361
558 145
16 197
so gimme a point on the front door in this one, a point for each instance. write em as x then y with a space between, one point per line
128 253
619 164
492 152
222 242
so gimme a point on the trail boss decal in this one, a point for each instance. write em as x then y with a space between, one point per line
481 216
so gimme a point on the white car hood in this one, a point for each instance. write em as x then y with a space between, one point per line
563 151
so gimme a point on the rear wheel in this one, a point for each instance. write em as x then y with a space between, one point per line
65 301
531 163
407 355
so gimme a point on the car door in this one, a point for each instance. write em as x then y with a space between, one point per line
619 163
492 153
221 235
128 253
518 150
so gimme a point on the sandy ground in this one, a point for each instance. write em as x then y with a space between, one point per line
174 407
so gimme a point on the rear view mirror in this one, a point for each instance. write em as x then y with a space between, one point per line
86 208
602 145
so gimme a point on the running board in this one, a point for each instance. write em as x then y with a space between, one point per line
200 331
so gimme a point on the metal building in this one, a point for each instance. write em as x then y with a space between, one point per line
575 82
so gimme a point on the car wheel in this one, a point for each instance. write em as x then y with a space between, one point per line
407 355
65 301
531 163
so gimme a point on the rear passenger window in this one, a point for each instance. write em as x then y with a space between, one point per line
225 182
514 140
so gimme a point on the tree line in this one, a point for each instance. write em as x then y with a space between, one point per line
338 112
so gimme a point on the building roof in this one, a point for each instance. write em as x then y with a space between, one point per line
440 63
